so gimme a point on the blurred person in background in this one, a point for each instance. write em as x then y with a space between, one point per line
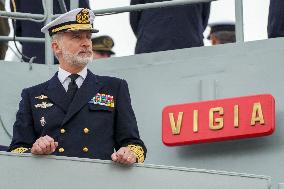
222 33
4 31
169 28
275 27
102 47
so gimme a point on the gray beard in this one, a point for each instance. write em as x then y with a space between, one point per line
77 60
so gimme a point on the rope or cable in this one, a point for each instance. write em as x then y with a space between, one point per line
14 36
44 11
14 5
5 129
15 53
30 19
62 6
14 40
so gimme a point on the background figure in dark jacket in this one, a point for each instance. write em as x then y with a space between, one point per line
4 31
26 28
275 26
169 28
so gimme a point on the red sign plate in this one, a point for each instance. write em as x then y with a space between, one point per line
218 120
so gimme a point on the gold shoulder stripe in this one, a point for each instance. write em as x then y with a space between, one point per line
20 150
138 151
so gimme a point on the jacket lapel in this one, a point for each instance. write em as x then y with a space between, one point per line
56 93
89 89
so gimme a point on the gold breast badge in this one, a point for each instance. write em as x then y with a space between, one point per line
41 97
43 105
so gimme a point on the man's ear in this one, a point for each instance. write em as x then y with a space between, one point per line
56 47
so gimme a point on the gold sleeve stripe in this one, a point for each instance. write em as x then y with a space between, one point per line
138 151
20 150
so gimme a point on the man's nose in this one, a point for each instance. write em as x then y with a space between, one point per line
86 42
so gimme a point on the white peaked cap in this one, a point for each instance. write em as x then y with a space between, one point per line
74 20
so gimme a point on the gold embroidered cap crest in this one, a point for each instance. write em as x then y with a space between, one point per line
83 17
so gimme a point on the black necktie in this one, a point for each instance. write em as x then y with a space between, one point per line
72 87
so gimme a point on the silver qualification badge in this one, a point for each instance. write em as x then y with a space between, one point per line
42 121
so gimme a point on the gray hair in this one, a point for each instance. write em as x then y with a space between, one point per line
56 37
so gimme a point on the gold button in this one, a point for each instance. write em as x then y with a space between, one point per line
62 131
85 149
61 150
86 130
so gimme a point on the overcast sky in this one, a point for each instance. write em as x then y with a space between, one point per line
117 26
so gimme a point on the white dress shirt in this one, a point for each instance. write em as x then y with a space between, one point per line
65 80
